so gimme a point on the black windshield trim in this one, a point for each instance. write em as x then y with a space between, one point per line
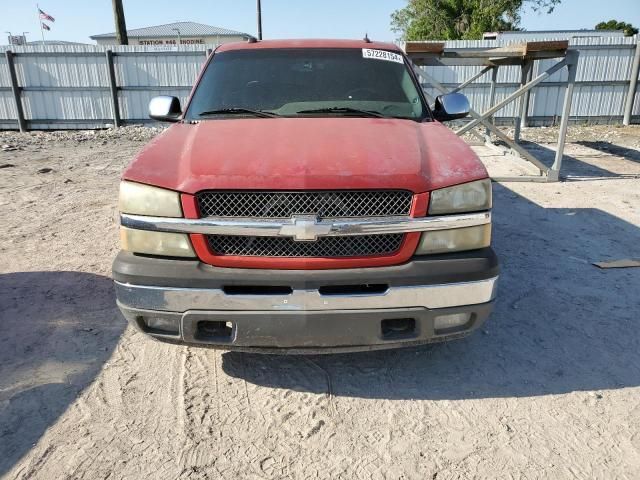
427 112
342 110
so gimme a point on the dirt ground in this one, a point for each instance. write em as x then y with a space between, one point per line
550 388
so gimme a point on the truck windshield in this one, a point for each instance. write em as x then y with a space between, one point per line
307 82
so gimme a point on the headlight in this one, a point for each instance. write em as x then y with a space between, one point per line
156 243
468 197
139 199
455 240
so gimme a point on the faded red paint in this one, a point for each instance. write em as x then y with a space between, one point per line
306 154
205 254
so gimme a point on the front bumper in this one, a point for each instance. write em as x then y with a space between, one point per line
313 311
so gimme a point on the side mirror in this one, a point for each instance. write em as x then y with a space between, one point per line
451 106
165 109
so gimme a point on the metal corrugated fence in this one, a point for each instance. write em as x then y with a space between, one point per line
602 83
68 86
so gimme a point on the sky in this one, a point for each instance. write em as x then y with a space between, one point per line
76 20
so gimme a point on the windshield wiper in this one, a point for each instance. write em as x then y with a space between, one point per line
367 113
239 111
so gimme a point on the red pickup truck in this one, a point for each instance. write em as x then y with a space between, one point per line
306 199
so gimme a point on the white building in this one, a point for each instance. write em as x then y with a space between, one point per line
534 35
173 34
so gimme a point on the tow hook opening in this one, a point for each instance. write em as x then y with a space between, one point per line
257 290
219 331
363 289
159 325
396 328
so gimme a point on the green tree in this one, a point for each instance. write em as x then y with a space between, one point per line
629 30
461 19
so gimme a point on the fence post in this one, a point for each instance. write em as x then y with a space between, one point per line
113 87
633 84
15 88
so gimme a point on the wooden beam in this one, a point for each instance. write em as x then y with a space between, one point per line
424 47
547 46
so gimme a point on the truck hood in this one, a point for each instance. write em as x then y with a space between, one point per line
306 154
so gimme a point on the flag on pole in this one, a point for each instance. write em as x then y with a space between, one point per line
46 16
45 26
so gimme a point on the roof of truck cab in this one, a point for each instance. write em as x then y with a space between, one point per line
316 43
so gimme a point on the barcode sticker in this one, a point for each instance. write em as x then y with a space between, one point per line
382 55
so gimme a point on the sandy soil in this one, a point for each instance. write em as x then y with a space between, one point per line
549 389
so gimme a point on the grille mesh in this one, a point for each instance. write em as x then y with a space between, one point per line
348 246
324 204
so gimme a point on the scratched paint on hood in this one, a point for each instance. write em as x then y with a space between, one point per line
306 153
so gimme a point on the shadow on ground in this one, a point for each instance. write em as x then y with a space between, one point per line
609 148
574 168
56 331
560 325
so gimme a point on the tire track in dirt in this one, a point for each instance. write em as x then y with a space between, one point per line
117 427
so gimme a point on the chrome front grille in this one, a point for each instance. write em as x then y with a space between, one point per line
335 247
323 204
320 204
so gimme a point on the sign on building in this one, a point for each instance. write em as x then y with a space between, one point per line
17 40
173 41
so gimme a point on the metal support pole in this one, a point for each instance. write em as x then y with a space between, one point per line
521 119
540 78
113 87
468 82
525 118
492 98
443 90
482 119
572 65
259 14
40 22
471 80
122 37
633 85
15 89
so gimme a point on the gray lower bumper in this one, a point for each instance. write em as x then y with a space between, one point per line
306 311
305 321
312 332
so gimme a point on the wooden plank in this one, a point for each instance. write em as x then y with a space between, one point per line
424 47
434 61
503 52
515 50
434 54
626 263
547 46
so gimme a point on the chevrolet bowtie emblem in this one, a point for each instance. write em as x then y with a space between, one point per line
305 228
